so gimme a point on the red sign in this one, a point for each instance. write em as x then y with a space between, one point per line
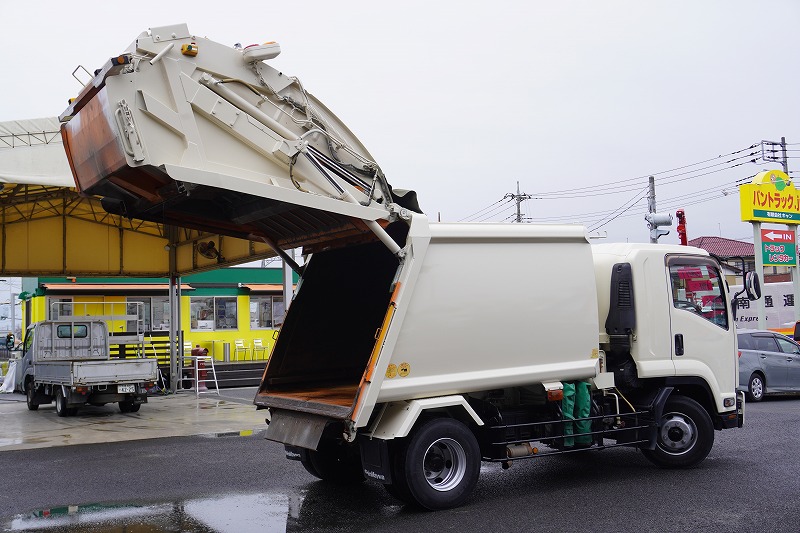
773 235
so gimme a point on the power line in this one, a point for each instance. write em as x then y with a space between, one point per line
638 179
607 190
493 213
623 209
480 211
703 195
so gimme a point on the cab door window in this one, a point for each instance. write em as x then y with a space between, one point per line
697 288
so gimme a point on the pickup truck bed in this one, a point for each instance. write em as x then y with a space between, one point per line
74 373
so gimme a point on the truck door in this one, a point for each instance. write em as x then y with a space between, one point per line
25 365
702 341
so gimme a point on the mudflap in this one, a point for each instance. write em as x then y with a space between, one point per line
375 459
295 428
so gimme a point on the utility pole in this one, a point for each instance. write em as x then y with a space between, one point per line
769 152
518 198
785 159
654 220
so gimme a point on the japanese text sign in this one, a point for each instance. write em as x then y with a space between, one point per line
778 247
771 197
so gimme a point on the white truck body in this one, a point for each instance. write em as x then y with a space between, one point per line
411 350
69 361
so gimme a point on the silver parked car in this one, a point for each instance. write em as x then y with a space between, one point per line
768 362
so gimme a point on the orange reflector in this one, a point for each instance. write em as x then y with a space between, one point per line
555 395
120 60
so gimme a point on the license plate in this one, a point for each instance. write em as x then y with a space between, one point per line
122 389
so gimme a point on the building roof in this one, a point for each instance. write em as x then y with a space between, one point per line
101 287
723 247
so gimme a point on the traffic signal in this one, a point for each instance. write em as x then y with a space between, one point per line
654 220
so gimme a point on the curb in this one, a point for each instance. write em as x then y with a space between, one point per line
242 433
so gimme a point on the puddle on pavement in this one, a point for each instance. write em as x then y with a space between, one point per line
312 507
240 513
29 441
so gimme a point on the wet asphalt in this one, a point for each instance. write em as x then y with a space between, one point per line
240 484
164 415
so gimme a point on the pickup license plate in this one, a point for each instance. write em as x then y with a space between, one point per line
122 389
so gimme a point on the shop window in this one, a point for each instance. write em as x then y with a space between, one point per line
59 308
138 307
213 313
266 312
160 313
155 311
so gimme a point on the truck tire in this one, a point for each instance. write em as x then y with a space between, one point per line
29 395
334 462
305 460
62 409
756 388
440 466
685 435
127 406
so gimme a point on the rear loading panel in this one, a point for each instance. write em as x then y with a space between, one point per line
325 344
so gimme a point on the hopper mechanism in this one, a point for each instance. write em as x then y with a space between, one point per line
181 130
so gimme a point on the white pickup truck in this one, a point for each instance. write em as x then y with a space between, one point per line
68 361
412 351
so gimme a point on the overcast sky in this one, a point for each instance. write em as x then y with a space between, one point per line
460 100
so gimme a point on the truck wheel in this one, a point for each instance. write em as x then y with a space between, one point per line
440 466
334 462
305 460
756 388
61 405
685 435
29 394
127 406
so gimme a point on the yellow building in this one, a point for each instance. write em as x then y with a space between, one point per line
234 313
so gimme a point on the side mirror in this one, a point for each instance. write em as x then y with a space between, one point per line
752 286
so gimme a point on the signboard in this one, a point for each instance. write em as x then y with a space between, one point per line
771 197
778 303
778 247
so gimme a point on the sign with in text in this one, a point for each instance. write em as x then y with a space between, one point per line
778 247
771 197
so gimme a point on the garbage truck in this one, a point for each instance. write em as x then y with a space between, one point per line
412 351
